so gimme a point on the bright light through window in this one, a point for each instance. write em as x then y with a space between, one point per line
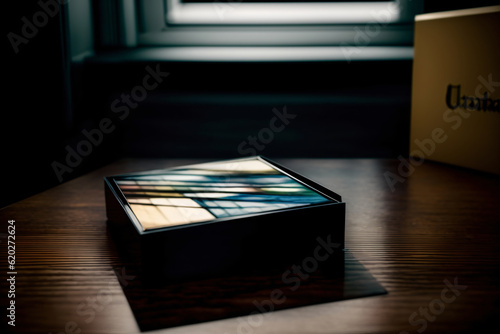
282 13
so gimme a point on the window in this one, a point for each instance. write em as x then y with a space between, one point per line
286 12
310 30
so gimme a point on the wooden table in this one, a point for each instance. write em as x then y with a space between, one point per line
432 241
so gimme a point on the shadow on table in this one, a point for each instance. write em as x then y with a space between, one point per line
170 304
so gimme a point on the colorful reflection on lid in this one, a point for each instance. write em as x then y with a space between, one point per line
205 192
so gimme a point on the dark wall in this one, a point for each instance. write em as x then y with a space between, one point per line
336 109
33 112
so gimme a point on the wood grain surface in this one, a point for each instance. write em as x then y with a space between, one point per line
433 242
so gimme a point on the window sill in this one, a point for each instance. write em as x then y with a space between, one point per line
256 54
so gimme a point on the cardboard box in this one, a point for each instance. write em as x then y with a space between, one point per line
455 115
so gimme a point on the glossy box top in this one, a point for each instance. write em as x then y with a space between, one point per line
210 191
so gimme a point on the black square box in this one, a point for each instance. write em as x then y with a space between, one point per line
241 215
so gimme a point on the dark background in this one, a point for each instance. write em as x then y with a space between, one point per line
202 110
